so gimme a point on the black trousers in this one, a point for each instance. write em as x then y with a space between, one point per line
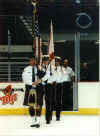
67 99
49 88
58 99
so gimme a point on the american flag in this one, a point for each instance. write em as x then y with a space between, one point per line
37 41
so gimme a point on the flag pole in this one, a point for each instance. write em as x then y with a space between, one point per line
33 21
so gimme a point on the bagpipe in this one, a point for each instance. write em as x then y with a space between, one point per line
32 101
32 98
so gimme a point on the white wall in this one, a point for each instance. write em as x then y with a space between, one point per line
89 95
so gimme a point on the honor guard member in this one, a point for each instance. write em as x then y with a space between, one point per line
30 77
68 78
48 79
45 62
58 87
68 72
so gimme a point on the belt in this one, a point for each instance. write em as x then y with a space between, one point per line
67 81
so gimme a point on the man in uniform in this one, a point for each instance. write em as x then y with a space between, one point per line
58 87
48 79
30 77
68 78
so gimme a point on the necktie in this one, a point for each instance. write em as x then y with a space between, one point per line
50 71
56 68
45 68
33 74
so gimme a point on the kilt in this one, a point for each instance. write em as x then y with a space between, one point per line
29 98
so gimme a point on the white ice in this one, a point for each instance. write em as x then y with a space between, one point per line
70 125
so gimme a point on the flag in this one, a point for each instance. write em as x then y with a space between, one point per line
51 45
37 40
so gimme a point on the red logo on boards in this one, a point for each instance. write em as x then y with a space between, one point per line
9 97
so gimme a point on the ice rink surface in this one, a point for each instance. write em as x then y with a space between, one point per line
70 125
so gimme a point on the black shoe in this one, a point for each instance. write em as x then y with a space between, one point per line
51 118
48 122
57 119
35 125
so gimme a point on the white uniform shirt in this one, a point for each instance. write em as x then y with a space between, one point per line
27 75
68 73
58 74
49 76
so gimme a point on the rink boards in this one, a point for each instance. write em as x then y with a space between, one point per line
12 103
